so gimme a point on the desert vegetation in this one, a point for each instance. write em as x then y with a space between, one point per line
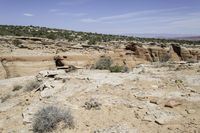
5 98
17 87
48 118
74 36
118 68
31 85
92 104
103 63
106 63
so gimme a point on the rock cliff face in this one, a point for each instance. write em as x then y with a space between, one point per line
156 53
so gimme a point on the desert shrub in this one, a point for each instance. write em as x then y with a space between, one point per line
92 104
17 87
178 81
192 61
48 118
103 63
51 36
16 42
31 85
165 58
117 69
64 80
182 67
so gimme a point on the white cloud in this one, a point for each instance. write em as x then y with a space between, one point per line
176 20
28 14
88 20
70 14
127 17
62 13
54 10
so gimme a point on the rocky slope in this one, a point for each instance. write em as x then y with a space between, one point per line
161 98
160 92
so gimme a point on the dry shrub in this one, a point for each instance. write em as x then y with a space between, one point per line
118 69
47 119
17 87
92 104
5 98
31 85
103 63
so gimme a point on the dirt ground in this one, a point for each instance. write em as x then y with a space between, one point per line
150 98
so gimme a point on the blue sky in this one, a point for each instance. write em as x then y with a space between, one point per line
106 16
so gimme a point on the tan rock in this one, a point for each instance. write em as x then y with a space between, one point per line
190 111
172 103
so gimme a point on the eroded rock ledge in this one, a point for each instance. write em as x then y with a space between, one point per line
35 54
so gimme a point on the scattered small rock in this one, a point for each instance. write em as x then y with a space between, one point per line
155 100
172 103
148 118
117 129
190 111
92 104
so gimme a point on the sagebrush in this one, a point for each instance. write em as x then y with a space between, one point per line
118 69
48 118
92 104
103 63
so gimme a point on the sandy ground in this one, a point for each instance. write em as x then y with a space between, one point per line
133 102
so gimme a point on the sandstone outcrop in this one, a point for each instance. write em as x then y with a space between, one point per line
155 53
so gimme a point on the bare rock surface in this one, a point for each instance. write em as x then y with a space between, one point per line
117 129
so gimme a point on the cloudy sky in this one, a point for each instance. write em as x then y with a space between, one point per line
106 16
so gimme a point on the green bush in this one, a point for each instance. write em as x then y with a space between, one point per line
51 36
103 63
118 69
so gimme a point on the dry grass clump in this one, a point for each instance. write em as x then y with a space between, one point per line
103 63
92 104
31 85
5 98
48 119
118 69
17 87
106 63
